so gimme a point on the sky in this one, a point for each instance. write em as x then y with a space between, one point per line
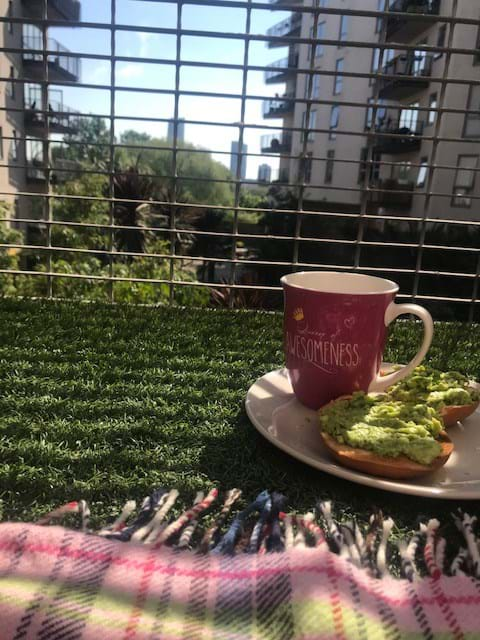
137 13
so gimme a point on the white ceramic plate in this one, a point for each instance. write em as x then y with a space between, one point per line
277 415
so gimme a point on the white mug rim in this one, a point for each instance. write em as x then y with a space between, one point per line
392 286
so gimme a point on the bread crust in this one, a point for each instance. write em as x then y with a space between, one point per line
368 462
457 413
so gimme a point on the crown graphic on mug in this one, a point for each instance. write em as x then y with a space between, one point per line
335 329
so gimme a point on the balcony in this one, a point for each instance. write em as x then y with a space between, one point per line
61 119
61 65
278 107
407 74
288 28
407 27
404 139
281 70
389 196
61 171
276 143
56 9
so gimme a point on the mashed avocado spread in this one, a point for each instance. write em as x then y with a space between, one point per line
384 426
436 388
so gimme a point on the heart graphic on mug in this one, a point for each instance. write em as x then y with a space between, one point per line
349 322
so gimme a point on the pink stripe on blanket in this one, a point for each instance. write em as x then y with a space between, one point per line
314 575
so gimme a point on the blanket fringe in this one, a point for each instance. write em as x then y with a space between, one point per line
265 527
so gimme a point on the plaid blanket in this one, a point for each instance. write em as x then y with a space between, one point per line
312 580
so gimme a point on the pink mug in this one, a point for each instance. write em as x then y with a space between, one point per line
335 328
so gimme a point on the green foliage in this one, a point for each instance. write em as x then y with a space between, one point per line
9 258
82 147
154 159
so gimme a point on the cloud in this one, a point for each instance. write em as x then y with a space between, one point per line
130 70
145 39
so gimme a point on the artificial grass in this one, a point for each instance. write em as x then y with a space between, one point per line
107 402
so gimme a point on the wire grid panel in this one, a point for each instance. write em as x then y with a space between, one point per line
197 151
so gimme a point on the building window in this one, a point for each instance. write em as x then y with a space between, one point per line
374 164
1 143
329 166
432 103
315 87
310 137
10 15
320 35
375 63
379 21
420 66
338 80
404 171
380 115
305 168
334 117
472 118
409 118
441 38
14 147
11 84
464 181
343 32
422 172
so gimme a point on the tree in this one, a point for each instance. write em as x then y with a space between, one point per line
81 146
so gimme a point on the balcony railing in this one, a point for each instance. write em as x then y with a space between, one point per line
279 70
388 195
276 143
404 139
406 27
61 65
61 119
61 171
286 28
278 107
407 73
56 9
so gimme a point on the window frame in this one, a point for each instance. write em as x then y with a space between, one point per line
441 38
343 29
379 19
422 165
432 115
14 147
338 77
469 190
10 15
329 166
332 134
319 48
311 125
11 84
471 116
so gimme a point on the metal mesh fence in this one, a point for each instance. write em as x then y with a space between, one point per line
196 151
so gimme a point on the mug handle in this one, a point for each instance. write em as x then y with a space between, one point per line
380 383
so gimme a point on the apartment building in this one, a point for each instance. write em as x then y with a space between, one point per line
394 135
410 113
33 113
315 77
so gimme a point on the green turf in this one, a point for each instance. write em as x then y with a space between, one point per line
106 402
